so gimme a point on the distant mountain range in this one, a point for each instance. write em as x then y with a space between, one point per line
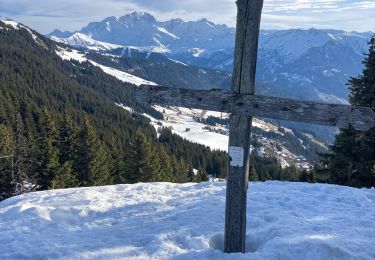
141 30
307 64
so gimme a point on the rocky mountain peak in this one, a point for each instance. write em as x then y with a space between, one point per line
137 17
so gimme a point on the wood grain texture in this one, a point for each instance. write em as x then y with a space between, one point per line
237 184
361 118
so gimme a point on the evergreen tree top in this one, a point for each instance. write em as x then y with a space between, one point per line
363 87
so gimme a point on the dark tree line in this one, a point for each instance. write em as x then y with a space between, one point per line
265 169
65 154
57 118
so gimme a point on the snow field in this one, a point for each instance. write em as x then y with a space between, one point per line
80 40
186 221
182 119
72 54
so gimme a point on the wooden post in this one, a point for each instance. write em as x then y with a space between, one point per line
248 23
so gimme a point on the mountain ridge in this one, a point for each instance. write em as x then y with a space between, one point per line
312 64
175 28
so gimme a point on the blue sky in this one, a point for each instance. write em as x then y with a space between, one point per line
46 15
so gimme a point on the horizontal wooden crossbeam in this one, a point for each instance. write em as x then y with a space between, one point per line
361 118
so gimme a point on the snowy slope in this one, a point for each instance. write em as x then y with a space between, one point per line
12 23
172 221
80 40
292 44
71 54
18 26
182 122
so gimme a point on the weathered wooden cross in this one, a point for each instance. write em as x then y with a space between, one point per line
242 104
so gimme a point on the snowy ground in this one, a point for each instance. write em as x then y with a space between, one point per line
171 221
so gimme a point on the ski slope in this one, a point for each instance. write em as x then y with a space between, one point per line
186 221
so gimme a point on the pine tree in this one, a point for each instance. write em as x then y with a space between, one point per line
362 88
68 146
6 159
253 176
181 171
175 169
166 170
201 176
68 140
143 161
118 167
21 158
94 158
340 165
46 152
64 177
353 153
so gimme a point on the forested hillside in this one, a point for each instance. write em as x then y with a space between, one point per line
60 126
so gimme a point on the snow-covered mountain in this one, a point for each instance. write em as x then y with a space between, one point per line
186 221
202 38
142 30
307 64
79 39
